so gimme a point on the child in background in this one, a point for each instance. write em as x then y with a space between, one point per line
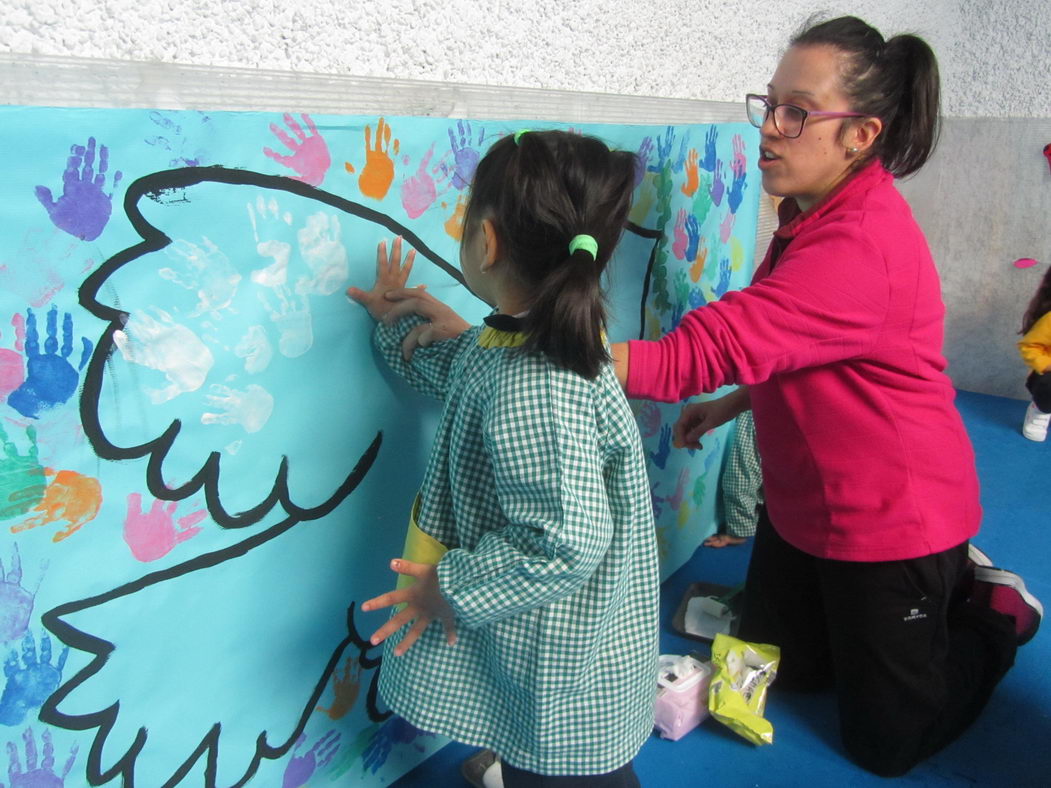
1035 347
536 484
740 487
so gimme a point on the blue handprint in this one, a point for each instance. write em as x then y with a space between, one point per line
710 158
696 298
50 379
660 457
394 731
84 208
724 277
736 193
664 149
693 237
680 162
30 683
465 158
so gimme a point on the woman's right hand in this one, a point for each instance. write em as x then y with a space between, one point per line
442 322
698 418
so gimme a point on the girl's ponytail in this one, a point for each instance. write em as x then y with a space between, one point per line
541 189
896 81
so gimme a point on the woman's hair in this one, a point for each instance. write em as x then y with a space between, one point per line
894 80
540 192
1039 305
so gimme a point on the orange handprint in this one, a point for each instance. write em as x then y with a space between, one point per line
692 176
346 688
376 178
71 497
454 224
698 265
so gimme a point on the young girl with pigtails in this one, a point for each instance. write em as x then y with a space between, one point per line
535 507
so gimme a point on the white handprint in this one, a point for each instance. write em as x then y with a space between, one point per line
293 323
254 347
275 274
204 269
250 408
165 345
324 254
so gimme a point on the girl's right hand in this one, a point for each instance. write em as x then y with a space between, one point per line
442 322
391 274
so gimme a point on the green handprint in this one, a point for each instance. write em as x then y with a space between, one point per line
22 479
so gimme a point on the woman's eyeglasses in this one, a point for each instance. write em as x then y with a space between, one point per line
788 118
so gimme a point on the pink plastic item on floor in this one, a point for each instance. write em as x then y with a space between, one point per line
682 700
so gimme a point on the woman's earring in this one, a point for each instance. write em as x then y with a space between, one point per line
852 151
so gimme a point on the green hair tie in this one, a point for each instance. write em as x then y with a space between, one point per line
585 242
518 135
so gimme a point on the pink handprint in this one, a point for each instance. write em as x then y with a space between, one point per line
152 535
679 246
84 208
418 193
739 167
12 374
309 152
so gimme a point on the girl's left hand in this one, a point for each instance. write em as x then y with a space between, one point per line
423 603
391 274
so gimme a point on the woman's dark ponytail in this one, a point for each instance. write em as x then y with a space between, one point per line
896 81
540 192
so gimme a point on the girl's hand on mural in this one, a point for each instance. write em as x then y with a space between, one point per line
442 322
392 272
423 601
698 418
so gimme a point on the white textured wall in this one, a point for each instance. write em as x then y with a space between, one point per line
994 54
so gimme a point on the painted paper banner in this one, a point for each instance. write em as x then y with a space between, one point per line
206 466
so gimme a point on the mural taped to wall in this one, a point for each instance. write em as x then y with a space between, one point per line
205 465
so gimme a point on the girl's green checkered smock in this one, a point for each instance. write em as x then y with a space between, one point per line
537 485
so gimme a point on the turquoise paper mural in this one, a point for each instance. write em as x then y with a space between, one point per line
205 467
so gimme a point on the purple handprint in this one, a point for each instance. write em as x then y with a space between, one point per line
649 419
16 603
642 159
30 683
718 187
660 457
84 208
710 158
33 776
301 768
465 158
51 379
309 155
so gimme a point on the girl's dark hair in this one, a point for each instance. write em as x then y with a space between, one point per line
539 193
894 80
1039 305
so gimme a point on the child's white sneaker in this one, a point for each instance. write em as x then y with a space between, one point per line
1035 425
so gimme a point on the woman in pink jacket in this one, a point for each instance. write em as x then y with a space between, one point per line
860 569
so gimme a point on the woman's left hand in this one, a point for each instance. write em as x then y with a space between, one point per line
423 604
